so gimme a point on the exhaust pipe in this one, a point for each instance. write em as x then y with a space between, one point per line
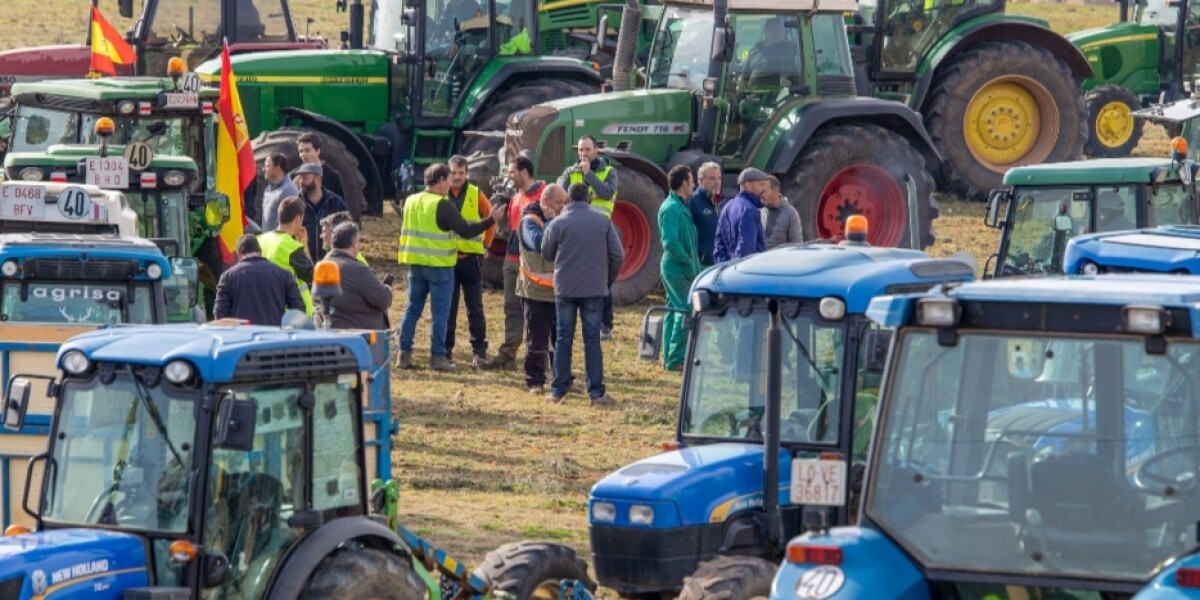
631 19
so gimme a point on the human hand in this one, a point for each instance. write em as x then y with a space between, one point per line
585 166
498 211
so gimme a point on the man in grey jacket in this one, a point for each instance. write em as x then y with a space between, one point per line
780 221
582 276
365 299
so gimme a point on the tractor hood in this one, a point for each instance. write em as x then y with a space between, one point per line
654 124
1113 34
302 67
89 562
1123 54
45 62
692 486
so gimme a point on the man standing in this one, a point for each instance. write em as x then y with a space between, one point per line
582 276
536 287
705 205
780 221
739 228
680 261
428 247
601 181
279 186
319 202
255 289
287 245
364 300
468 271
308 145
520 173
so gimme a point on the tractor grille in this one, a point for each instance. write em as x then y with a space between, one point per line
11 587
835 86
289 96
250 96
523 131
553 159
291 363
552 41
71 268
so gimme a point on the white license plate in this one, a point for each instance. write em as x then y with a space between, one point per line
110 172
22 201
818 482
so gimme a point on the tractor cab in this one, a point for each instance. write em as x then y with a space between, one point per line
1047 205
1035 438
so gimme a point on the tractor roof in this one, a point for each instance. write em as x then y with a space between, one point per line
853 273
104 89
223 353
779 6
94 244
1165 249
1101 171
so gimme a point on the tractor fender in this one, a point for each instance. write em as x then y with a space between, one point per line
373 193
789 139
638 163
512 72
998 28
301 561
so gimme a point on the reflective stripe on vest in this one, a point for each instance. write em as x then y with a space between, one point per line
278 248
542 278
604 205
470 212
421 242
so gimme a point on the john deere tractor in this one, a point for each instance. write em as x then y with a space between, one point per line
996 91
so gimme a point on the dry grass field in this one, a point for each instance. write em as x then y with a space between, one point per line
483 462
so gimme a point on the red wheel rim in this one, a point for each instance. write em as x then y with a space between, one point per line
864 190
635 237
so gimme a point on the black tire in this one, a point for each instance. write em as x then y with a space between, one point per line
333 152
1112 134
363 574
730 578
836 149
495 115
638 195
523 569
1035 70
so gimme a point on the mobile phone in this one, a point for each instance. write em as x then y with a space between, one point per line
388 279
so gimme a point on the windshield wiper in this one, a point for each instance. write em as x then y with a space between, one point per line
152 409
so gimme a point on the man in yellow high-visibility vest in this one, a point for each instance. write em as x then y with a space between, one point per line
601 179
429 247
287 246
468 271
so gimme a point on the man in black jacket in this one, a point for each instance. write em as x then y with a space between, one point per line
255 289
365 300
319 202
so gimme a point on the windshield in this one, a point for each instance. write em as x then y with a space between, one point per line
682 47
727 378
1158 13
1170 204
1070 456
1042 222
122 455
36 129
162 214
77 302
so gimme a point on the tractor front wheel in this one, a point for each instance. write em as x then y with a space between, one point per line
332 151
1113 131
742 577
862 169
359 573
533 570
636 219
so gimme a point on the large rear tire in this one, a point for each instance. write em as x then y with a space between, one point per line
1113 132
528 570
1001 105
494 117
363 574
332 151
636 219
860 169
730 577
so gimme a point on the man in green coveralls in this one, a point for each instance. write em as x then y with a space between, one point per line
680 260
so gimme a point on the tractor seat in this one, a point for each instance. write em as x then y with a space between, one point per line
1076 503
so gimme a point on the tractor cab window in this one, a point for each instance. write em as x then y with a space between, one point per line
910 28
1170 204
832 47
1043 220
252 494
337 480
260 21
456 48
513 21
77 302
36 129
766 63
1116 208
682 49
727 381
188 29
1072 456
162 214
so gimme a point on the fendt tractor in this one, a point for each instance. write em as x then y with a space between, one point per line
996 90
1036 438
720 89
778 392
166 29
1173 249
1047 205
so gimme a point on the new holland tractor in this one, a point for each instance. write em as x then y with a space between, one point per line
779 386
1171 249
1035 438
721 89
996 90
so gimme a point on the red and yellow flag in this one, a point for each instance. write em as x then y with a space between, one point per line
235 158
108 47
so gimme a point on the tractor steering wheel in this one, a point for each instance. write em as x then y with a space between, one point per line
1145 480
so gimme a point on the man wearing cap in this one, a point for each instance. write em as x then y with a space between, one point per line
739 228
319 203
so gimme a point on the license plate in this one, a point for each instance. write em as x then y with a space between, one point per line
22 201
181 100
110 172
818 482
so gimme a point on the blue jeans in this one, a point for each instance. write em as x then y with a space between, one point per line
437 283
590 311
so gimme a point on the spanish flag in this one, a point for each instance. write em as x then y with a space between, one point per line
235 158
108 47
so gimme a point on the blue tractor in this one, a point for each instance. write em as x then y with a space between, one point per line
1167 249
775 410
1035 438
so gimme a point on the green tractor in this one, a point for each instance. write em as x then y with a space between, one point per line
794 115
1140 61
995 90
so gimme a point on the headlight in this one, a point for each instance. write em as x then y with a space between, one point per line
641 515
32 174
177 371
832 309
937 312
604 512
1089 268
76 363
127 107
153 271
1145 319
174 178
9 268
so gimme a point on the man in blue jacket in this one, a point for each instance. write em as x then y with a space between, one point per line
739 228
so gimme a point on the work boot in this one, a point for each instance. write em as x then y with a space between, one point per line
441 363
404 360
479 361
500 361
555 397
604 401
537 390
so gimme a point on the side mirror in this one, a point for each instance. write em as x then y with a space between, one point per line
216 210
215 567
16 403
875 349
236 425
723 43
1063 223
125 8
993 218
652 333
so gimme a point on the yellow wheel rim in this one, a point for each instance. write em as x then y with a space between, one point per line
1009 121
1114 124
